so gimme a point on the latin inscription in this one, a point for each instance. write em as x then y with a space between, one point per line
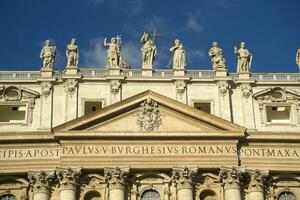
146 150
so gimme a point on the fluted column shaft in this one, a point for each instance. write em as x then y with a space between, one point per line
40 184
231 182
184 183
68 180
116 179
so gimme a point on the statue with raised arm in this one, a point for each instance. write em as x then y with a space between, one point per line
113 52
216 55
149 51
72 54
244 58
179 61
48 54
298 58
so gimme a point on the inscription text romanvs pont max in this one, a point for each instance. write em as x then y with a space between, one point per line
144 150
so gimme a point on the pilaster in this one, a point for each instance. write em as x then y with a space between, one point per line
68 181
224 98
256 184
71 96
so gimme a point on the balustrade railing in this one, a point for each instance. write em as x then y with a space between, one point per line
157 73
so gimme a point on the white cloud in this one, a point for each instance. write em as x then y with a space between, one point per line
131 54
95 55
193 22
135 6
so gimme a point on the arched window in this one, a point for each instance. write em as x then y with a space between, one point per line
286 196
8 197
208 195
150 195
92 195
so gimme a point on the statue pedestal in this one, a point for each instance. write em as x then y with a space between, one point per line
244 76
114 71
147 70
179 72
221 72
46 73
71 70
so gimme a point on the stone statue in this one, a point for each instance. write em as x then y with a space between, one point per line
48 54
298 58
244 58
216 54
149 51
179 61
72 53
113 52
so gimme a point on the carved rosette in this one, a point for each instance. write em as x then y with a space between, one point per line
223 88
183 177
116 177
70 86
46 88
68 178
246 91
149 117
257 181
180 87
115 86
40 181
231 177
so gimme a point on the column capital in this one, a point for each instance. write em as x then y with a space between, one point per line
231 177
116 177
40 181
183 177
68 178
257 180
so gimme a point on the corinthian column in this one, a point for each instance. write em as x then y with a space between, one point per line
40 184
68 180
231 178
184 183
116 179
256 185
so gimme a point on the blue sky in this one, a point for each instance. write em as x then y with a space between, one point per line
270 28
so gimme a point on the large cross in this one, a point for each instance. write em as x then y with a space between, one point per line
118 38
154 35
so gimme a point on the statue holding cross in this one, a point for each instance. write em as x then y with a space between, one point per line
149 50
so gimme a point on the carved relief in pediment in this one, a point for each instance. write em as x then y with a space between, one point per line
277 94
15 93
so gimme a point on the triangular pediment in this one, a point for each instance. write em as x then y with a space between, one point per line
277 94
149 112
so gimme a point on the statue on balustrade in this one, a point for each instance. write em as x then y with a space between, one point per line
179 61
298 58
48 54
216 55
244 58
149 50
72 53
113 52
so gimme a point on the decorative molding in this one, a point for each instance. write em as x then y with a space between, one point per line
246 90
183 177
149 117
68 178
223 87
40 181
70 86
46 88
180 87
116 177
231 177
115 86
